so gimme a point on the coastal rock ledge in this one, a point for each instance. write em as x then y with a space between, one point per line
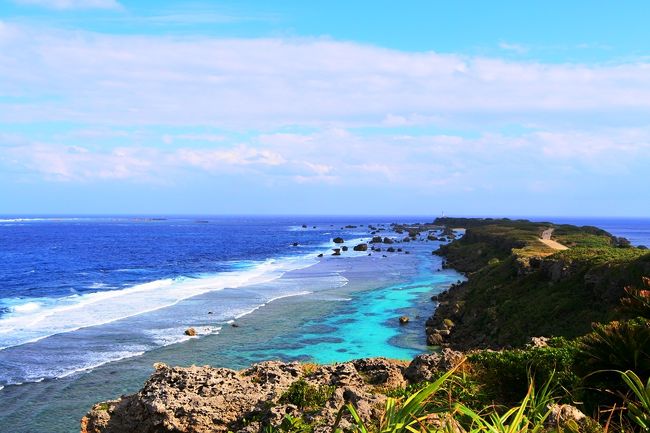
206 399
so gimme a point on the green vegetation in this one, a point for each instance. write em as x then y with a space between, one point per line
593 299
306 396
638 411
506 373
518 287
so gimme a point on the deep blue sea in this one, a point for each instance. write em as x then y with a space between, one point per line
66 276
87 305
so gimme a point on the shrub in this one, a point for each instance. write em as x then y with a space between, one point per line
307 396
609 348
506 373
637 301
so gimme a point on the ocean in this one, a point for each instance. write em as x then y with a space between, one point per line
88 304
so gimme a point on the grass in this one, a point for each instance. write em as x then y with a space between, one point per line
518 287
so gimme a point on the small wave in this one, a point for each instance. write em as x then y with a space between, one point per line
30 320
90 366
29 307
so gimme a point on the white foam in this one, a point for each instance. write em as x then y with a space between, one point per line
28 307
30 320
115 356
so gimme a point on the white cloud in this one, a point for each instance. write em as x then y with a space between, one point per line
536 160
516 48
572 123
260 83
72 4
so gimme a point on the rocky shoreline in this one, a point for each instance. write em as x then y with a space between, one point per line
206 399
498 256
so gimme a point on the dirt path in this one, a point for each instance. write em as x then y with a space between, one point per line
545 238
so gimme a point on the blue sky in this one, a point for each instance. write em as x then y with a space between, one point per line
514 108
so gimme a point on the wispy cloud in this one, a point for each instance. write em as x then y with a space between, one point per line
232 107
263 82
72 4
516 48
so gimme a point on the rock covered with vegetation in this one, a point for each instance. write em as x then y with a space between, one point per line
206 399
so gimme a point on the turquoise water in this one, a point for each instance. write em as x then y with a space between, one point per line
352 311
366 323
371 327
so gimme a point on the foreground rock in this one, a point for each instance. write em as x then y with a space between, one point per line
206 399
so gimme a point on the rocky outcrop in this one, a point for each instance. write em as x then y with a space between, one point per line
425 367
211 400
361 247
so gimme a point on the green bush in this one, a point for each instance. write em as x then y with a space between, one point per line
637 301
611 347
506 373
307 396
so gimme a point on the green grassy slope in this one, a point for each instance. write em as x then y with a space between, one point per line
518 287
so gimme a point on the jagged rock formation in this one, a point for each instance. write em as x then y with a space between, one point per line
206 399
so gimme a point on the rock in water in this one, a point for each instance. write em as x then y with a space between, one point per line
337 251
338 240
403 320
191 332
361 247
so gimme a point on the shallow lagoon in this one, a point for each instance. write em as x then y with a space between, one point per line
351 311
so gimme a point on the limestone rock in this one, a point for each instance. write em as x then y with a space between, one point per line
218 400
425 366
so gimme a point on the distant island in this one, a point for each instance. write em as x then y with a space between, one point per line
549 332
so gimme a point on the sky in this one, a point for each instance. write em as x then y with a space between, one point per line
325 107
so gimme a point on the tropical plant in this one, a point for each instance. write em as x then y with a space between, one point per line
637 301
616 346
411 416
638 411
